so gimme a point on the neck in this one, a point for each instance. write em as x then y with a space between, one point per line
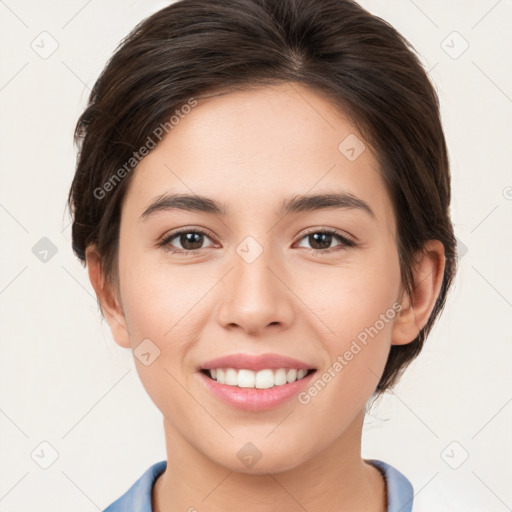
336 479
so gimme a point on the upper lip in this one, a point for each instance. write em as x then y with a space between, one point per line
255 362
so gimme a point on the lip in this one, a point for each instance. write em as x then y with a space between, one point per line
256 362
253 399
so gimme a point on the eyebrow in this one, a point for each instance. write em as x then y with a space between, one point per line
294 204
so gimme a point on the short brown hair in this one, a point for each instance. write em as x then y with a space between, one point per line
335 47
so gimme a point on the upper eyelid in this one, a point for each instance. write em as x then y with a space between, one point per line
332 231
180 231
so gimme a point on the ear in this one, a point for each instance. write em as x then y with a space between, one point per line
428 274
110 304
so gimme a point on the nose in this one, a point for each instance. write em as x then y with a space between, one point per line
255 295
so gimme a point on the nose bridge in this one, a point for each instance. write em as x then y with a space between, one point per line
252 276
253 296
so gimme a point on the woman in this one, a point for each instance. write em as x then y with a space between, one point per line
262 201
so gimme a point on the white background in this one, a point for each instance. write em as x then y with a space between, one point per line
65 382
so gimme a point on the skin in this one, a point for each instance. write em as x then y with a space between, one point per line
252 149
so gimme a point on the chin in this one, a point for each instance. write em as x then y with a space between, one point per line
249 459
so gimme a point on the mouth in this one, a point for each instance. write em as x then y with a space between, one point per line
266 378
255 391
255 382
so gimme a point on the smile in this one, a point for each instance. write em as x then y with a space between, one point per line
255 382
262 379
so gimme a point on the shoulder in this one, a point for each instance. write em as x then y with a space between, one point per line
399 488
138 497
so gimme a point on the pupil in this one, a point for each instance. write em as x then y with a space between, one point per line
323 245
191 240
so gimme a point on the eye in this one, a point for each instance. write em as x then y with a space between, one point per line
322 239
191 241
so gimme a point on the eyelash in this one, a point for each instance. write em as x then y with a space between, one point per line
345 242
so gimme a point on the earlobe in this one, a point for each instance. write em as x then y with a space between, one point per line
416 307
106 295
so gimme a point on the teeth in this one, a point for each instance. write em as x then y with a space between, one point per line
262 379
291 376
246 378
231 378
280 377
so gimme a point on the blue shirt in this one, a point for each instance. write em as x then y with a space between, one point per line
138 497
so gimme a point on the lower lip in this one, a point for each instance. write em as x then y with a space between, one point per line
253 399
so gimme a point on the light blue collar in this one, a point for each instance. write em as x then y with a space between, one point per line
399 489
138 497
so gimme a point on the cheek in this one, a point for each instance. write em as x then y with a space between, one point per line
165 306
357 303
357 306
351 297
159 300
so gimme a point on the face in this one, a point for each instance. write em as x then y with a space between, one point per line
246 272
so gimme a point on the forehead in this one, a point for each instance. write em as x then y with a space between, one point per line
251 149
